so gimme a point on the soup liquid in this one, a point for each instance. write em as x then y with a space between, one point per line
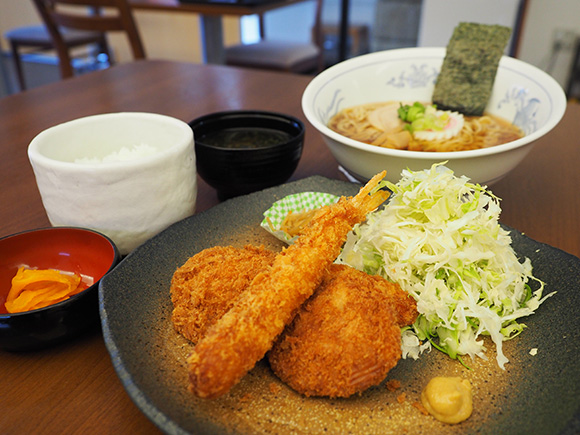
245 138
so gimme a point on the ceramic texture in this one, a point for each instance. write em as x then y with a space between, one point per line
522 94
535 394
76 250
129 201
238 171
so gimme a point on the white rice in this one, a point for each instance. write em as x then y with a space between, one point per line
123 155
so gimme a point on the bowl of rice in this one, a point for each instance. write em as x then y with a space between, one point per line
522 96
127 175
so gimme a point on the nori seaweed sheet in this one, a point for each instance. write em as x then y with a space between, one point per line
469 67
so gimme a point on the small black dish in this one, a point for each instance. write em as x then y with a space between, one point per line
243 151
82 251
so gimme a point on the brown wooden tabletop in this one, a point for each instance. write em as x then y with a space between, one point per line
210 8
73 388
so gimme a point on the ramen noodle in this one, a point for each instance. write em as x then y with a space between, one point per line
378 124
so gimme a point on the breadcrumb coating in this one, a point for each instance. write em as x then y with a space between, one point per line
207 285
248 330
346 337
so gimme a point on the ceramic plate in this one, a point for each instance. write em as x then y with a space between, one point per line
539 392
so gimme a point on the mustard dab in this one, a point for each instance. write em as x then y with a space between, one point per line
448 399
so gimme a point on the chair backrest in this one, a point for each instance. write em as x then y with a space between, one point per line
88 15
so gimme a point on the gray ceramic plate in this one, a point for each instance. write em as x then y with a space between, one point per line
535 394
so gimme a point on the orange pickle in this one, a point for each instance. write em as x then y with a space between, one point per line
37 288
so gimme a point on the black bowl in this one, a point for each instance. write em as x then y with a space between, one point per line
77 250
253 159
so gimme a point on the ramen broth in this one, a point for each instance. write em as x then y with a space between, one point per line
359 123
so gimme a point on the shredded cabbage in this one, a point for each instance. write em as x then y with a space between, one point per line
439 237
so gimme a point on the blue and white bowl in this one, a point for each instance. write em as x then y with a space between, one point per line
522 94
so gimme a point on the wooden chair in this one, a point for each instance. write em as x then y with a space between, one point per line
67 25
288 56
37 38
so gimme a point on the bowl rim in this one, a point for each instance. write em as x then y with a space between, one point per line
253 114
554 91
35 155
115 260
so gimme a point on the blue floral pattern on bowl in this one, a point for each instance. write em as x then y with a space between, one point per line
526 108
418 76
333 107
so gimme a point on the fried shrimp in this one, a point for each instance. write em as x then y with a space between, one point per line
346 337
247 331
206 286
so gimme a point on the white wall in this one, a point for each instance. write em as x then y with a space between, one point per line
544 18
440 17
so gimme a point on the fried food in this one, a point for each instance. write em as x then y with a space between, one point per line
346 337
403 305
206 286
247 331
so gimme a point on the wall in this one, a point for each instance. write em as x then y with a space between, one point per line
544 18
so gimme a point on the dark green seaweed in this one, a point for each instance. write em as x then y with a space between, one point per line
469 68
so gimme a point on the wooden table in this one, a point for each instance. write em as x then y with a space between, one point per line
211 19
73 388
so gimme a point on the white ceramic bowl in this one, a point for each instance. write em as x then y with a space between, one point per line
522 94
128 198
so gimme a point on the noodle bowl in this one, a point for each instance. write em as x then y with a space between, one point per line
477 132
522 94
